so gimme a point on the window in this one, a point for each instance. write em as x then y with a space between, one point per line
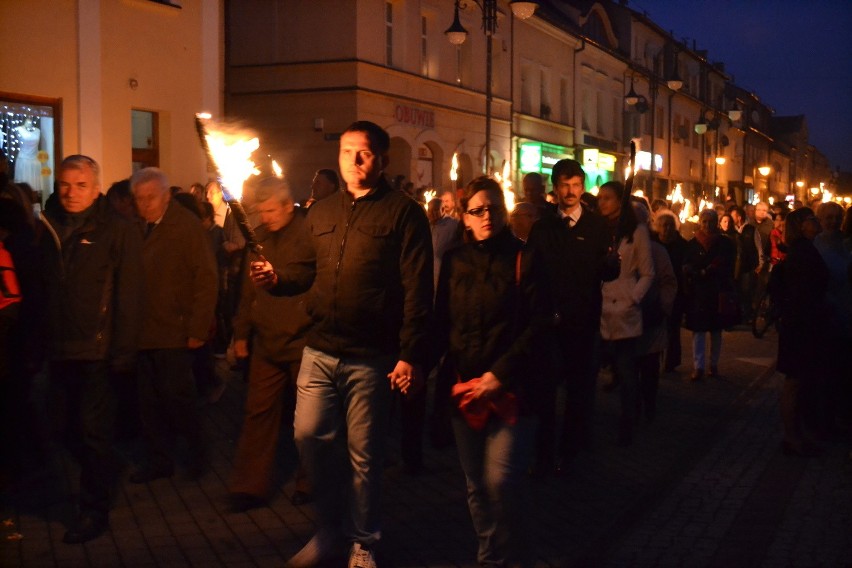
616 113
389 33
587 109
424 47
526 88
544 95
144 135
27 137
599 113
660 122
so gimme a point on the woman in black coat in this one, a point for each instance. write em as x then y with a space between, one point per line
488 310
802 280
708 269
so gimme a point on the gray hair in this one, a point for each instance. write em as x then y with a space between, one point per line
78 161
146 175
271 187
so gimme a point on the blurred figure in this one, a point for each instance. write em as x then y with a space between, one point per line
746 263
534 193
708 269
277 328
665 230
214 196
120 199
179 285
449 204
726 226
93 278
489 308
522 219
324 184
197 191
778 249
621 316
803 280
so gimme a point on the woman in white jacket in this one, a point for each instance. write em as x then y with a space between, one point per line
621 316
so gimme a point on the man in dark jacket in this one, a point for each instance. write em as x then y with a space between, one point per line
370 302
179 300
574 246
277 326
93 267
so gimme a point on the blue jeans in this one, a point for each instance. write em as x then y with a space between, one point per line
699 348
495 463
344 401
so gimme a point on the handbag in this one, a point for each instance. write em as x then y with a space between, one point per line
476 411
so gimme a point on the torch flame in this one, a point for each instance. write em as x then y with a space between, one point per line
428 196
506 184
454 170
232 154
277 169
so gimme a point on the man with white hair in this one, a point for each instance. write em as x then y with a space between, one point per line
179 300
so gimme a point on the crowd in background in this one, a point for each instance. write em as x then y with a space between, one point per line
526 302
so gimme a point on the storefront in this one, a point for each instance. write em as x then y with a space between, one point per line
539 157
599 167
28 139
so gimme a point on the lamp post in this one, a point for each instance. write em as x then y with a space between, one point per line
457 34
639 102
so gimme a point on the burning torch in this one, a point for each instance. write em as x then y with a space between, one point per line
229 155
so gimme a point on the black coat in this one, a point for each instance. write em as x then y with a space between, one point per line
805 316
706 273
93 285
370 279
486 318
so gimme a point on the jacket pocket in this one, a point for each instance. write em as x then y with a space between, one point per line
323 236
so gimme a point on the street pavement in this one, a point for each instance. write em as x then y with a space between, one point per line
705 484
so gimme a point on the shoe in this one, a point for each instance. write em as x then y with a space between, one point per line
361 557
714 371
697 375
88 527
320 548
242 502
301 497
148 474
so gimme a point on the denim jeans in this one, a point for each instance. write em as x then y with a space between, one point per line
495 463
699 339
344 402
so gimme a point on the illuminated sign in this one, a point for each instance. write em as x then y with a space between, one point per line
593 159
414 116
643 161
540 157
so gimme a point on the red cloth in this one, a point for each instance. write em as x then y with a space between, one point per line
476 410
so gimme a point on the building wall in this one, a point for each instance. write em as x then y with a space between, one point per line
88 52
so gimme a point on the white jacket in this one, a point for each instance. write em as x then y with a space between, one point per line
621 316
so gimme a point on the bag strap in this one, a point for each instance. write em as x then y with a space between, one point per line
518 269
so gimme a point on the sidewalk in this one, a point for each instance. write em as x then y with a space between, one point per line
704 485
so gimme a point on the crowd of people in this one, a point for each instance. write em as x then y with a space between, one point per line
341 309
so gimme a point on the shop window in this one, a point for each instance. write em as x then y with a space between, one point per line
28 138
425 167
144 134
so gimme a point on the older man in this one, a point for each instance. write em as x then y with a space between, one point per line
180 296
371 303
92 275
278 326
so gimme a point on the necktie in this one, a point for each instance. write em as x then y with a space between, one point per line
149 228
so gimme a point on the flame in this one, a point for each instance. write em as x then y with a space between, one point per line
232 154
676 196
826 196
595 190
277 169
639 193
506 184
755 200
454 170
771 200
428 196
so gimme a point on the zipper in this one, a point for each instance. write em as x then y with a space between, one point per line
43 218
339 261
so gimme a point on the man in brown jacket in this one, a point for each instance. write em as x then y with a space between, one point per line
179 300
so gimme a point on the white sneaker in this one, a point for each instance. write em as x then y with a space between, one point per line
319 548
361 557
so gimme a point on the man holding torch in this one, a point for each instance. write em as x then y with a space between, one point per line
370 301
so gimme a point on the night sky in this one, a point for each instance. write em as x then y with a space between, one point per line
795 56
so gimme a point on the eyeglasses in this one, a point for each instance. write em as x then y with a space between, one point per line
480 211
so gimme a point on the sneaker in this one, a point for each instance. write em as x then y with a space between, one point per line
321 547
361 557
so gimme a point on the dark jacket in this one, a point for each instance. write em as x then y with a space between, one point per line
93 284
279 323
180 282
574 261
487 320
372 290
747 254
805 320
706 273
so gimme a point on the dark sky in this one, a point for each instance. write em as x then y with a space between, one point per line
795 56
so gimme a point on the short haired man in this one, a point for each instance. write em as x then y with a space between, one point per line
324 184
92 276
522 218
180 295
277 326
574 245
534 192
371 301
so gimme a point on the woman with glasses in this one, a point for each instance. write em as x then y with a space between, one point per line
488 312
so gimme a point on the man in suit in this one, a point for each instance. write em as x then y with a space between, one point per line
574 246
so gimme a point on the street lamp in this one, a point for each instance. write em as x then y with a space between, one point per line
457 34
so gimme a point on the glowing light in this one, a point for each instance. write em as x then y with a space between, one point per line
676 196
231 151
771 200
720 160
506 184
595 190
277 169
800 184
204 115
826 196
718 191
639 193
428 196
815 190
454 169
755 200
764 170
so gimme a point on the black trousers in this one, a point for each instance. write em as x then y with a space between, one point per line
167 406
88 410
